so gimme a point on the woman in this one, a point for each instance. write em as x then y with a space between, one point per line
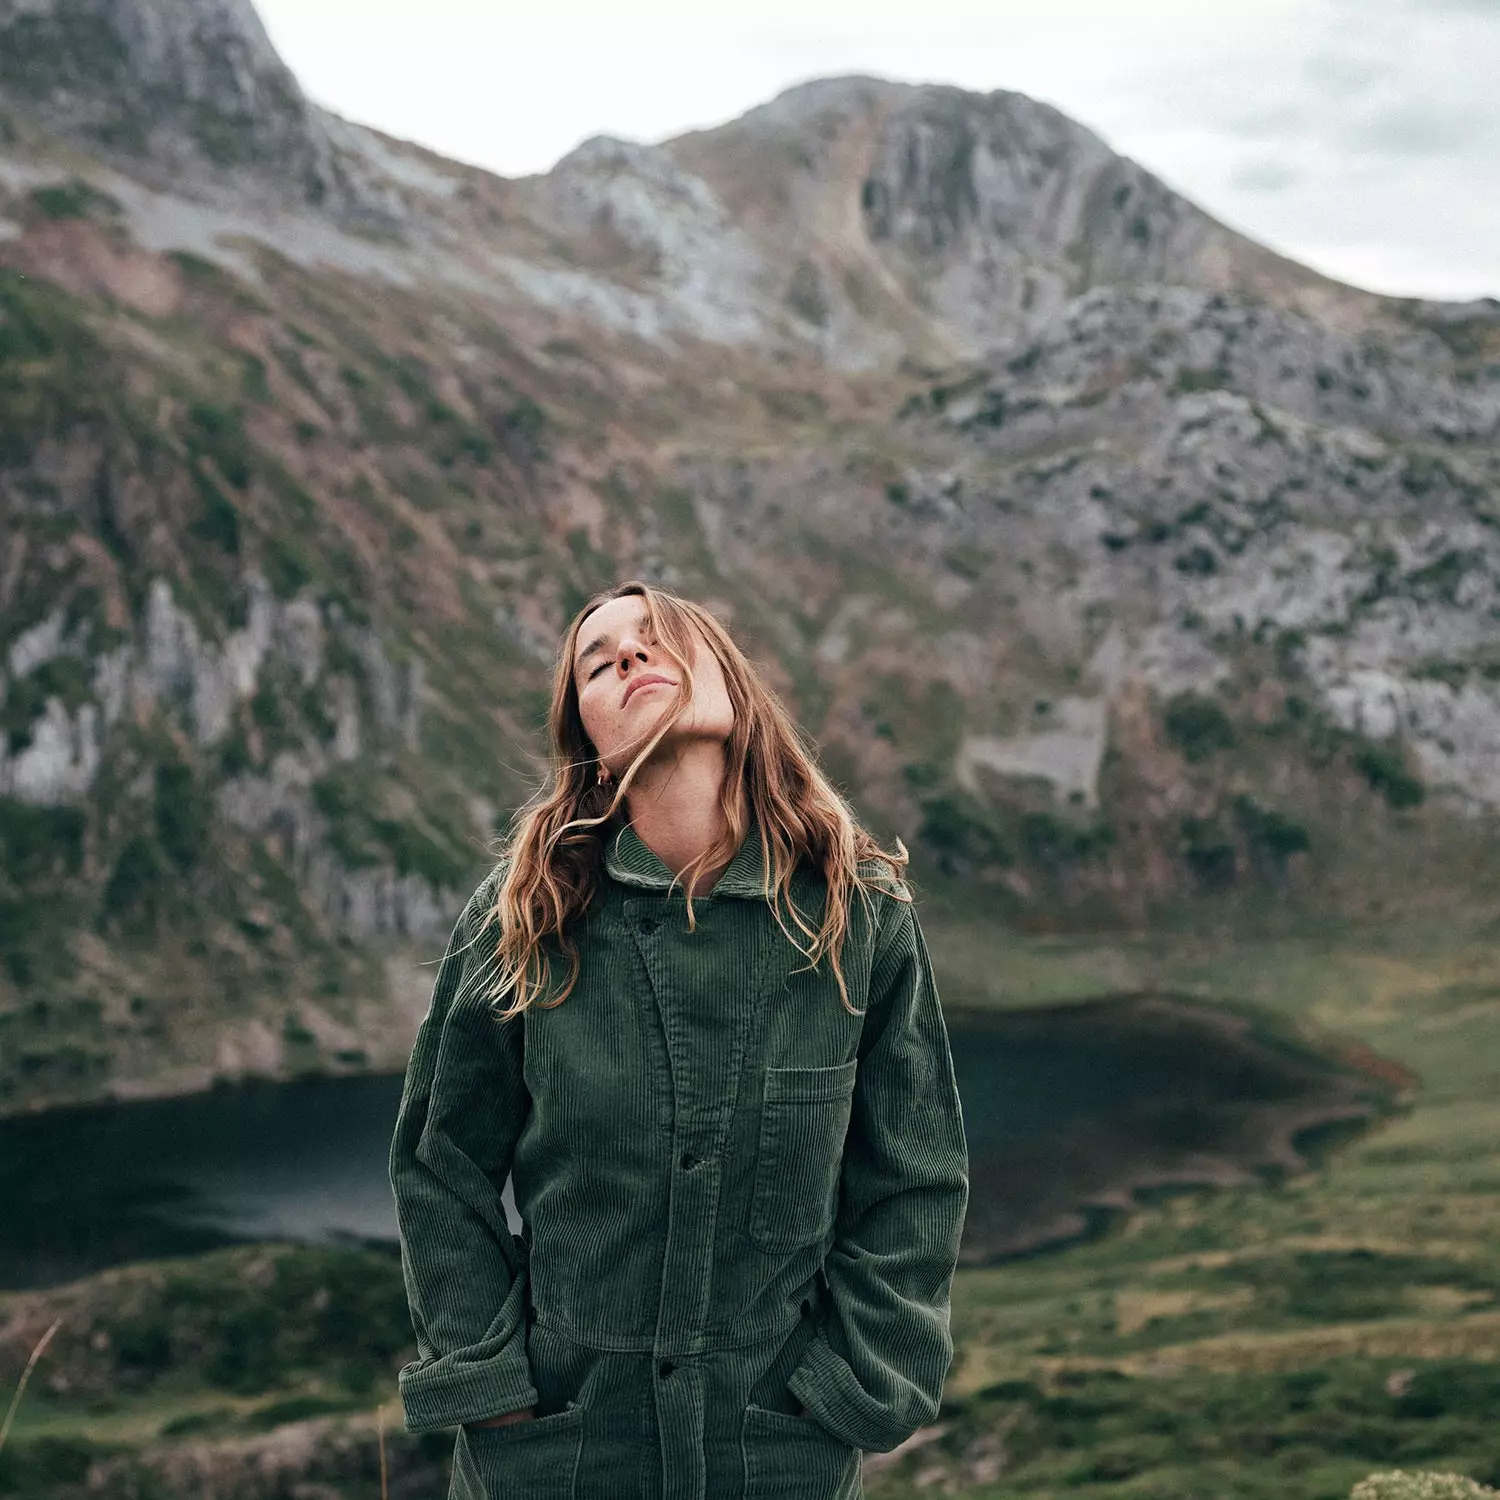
691 1013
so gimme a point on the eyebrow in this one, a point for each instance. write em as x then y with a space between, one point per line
598 642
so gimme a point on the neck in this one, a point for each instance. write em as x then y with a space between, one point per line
674 808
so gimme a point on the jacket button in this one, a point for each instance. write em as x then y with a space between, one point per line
665 1368
648 924
688 1161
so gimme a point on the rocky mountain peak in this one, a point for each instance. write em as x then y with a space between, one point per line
174 87
209 50
974 216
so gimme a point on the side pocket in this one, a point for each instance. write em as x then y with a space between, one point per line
768 1390
793 1458
538 1458
804 1116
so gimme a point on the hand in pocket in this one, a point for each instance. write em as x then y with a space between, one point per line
526 1414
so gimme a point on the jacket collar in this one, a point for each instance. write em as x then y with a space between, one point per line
629 860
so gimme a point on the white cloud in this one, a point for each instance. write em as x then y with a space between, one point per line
1358 135
1265 175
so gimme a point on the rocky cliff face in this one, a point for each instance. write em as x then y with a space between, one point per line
1116 563
179 92
1283 537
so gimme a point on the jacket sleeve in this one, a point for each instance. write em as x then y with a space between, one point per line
462 1108
873 1372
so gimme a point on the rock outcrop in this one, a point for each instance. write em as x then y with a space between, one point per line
181 89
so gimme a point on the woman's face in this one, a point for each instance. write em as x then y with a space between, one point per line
625 681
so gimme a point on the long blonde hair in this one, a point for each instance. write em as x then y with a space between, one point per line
554 852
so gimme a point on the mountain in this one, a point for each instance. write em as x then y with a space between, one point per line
1131 572
169 89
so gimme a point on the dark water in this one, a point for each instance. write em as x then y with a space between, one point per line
1067 1111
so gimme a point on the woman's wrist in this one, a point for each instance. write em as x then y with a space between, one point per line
526 1414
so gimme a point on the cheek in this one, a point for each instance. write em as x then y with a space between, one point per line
716 697
591 712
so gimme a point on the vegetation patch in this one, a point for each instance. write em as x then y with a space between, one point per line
217 434
38 842
183 814
66 678
962 834
1190 381
136 892
1441 579
1053 841
72 200
1292 1287
362 834
523 430
288 565
50 364
1210 852
253 379
37 1467
218 523
32 948
1384 767
248 1320
1197 726
1270 833
1244 1436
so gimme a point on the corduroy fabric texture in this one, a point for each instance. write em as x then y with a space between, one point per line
736 1196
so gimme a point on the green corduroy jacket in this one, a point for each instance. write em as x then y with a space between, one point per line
736 1197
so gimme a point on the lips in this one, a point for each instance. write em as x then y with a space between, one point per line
645 680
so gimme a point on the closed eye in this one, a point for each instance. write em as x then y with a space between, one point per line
644 625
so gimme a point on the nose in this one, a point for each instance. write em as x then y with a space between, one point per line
630 649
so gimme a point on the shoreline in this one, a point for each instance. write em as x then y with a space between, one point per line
1373 1088
1101 1212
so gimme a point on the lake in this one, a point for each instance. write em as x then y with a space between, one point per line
1072 1113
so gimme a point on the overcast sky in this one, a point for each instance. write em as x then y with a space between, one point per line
1360 136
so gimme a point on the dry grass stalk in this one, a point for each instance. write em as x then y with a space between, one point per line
380 1430
15 1400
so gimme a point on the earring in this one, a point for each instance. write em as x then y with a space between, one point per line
603 777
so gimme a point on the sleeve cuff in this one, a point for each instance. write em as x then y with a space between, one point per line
828 1388
447 1392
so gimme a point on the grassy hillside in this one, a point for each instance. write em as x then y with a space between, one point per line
1282 1340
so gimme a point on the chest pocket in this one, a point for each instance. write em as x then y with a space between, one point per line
804 1115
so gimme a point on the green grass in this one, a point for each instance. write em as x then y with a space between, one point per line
72 200
1268 1341
1310 1433
225 1345
260 1322
53 369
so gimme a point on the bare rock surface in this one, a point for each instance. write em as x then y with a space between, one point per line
173 87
